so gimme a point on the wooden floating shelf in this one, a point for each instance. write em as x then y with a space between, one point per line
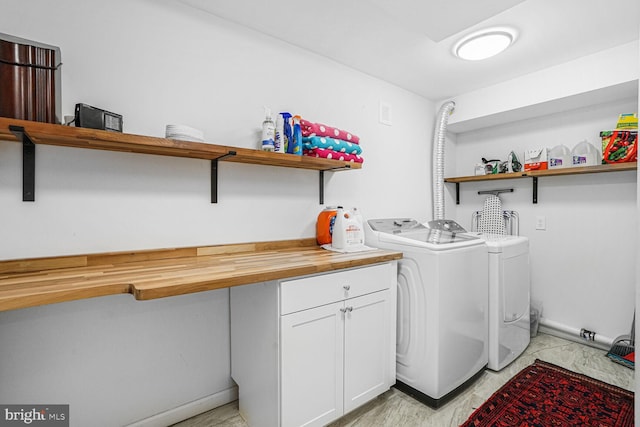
614 167
67 136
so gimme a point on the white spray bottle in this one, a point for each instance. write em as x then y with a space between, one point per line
268 131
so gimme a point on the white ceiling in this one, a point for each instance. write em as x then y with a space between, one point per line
409 42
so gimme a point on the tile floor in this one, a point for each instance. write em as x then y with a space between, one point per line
394 408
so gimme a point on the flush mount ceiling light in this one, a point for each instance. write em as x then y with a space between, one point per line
484 44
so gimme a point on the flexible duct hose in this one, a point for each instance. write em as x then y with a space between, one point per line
438 159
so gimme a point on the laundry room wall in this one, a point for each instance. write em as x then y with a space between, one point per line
582 263
116 360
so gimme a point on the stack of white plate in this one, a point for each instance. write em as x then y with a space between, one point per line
184 133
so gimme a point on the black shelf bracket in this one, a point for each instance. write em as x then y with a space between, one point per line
322 171
321 187
457 193
214 175
535 190
28 163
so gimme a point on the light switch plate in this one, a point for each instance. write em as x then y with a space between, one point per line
385 114
541 223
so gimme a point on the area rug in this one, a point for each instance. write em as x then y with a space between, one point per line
546 395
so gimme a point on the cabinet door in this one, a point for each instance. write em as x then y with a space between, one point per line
311 366
367 339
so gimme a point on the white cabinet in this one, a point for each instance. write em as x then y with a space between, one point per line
309 350
312 347
367 340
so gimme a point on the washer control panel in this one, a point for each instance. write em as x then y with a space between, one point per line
395 225
446 225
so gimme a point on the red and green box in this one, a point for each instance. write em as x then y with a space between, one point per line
619 146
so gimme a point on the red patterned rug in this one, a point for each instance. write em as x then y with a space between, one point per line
546 395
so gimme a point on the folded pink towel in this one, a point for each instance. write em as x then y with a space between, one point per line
335 155
318 129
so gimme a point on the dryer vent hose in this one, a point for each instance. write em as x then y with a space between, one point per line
438 159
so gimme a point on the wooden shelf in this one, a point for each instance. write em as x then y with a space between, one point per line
66 136
493 177
616 167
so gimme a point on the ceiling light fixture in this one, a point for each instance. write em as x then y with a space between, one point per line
484 44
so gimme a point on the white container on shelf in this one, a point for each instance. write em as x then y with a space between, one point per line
585 154
560 157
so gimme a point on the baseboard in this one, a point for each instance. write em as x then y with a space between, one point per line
189 410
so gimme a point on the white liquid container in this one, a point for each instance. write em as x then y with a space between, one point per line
585 154
268 132
279 141
347 230
560 157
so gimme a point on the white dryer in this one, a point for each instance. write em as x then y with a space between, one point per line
509 298
442 328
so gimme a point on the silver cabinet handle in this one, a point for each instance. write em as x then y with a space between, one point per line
347 287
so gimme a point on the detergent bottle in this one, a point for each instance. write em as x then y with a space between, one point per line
560 157
324 225
287 133
585 154
358 216
347 231
295 145
279 141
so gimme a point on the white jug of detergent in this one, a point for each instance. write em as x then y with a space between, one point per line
560 157
347 230
585 154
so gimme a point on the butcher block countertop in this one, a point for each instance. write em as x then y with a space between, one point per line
163 273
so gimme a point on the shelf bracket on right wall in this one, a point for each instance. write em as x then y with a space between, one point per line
535 190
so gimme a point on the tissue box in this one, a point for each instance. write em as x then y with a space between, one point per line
619 146
535 159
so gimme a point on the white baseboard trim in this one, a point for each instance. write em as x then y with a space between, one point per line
189 410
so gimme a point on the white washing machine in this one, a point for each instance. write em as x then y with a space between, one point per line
442 328
509 298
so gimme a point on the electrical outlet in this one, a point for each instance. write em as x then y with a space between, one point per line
541 223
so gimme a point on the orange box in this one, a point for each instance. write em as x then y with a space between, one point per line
536 159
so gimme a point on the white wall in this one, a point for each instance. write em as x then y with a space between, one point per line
158 63
582 263
172 64
584 81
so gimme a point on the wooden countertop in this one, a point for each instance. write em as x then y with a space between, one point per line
168 272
